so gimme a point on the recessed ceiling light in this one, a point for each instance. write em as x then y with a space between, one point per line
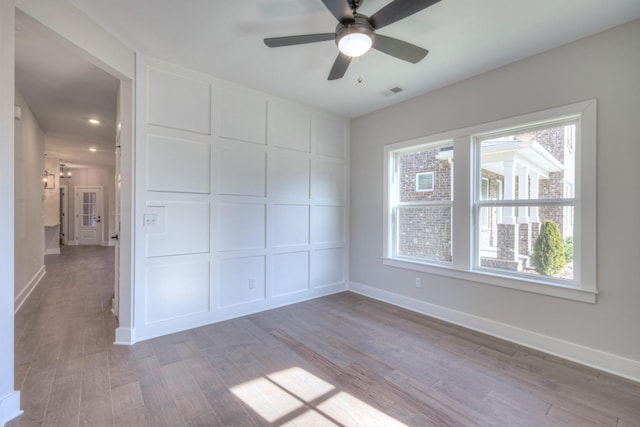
94 121
93 149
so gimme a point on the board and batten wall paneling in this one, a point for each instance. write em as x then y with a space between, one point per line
241 200
178 165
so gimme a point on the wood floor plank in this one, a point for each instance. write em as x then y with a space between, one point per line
63 408
341 360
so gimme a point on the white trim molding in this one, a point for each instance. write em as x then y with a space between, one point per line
10 407
24 294
598 359
125 336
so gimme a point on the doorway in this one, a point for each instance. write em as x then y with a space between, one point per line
88 216
81 133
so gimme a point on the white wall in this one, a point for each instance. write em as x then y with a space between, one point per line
52 208
29 205
241 200
606 67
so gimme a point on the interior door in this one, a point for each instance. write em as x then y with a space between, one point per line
88 215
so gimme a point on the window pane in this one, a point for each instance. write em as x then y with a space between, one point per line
425 174
536 164
424 232
512 246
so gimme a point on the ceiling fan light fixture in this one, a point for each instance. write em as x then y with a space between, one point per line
355 44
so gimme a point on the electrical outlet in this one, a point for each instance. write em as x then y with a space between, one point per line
252 284
418 282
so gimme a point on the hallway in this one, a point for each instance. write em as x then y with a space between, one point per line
64 332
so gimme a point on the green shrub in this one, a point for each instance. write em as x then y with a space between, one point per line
548 251
568 249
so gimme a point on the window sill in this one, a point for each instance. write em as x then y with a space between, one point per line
504 281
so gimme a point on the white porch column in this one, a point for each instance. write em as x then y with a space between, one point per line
523 194
509 191
535 185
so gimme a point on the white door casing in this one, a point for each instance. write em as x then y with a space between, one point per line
64 214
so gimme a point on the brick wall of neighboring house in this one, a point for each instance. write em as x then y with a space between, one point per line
424 161
552 140
553 187
425 232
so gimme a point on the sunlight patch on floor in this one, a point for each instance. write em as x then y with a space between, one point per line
267 399
295 397
301 383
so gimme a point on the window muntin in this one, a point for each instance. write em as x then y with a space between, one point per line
578 203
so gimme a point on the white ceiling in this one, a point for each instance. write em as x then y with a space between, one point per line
224 38
64 90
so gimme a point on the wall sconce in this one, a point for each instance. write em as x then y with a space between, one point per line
49 180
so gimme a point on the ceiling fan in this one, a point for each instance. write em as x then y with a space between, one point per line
356 33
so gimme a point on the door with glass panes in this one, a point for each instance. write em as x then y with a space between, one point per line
88 203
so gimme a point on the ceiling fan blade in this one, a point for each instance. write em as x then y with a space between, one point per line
397 10
339 67
339 8
294 40
400 49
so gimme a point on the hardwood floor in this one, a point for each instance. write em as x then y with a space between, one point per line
339 360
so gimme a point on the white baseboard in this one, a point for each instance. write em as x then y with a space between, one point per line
125 336
9 407
109 243
598 359
52 251
22 296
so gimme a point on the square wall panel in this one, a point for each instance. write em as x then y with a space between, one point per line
290 273
241 226
328 224
177 228
178 102
328 267
289 126
178 165
175 290
290 225
328 135
328 180
243 116
241 280
242 171
288 174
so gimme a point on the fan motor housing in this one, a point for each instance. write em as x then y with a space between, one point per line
359 24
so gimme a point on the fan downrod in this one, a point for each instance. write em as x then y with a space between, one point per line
354 4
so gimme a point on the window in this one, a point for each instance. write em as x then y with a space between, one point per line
515 179
535 164
424 181
422 211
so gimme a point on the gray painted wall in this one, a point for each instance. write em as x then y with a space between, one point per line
605 66
29 192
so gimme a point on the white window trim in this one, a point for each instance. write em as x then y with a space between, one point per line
424 190
462 239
